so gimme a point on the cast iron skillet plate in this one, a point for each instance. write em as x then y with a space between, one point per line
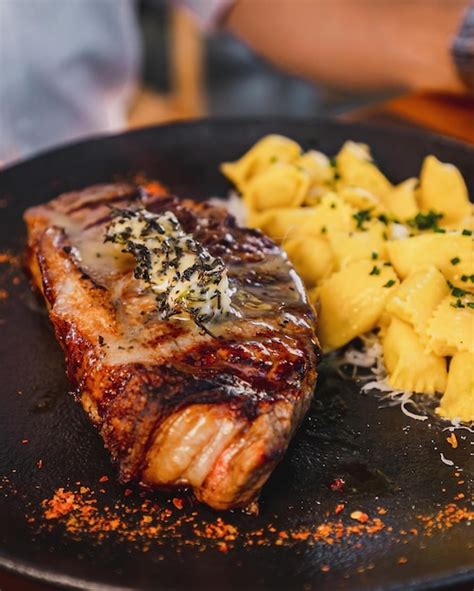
391 464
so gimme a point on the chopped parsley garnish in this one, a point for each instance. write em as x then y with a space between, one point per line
333 164
389 283
458 304
457 292
375 270
375 255
362 216
455 261
427 221
324 230
467 278
467 232
470 304
383 218
333 205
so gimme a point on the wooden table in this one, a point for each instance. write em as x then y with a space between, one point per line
449 115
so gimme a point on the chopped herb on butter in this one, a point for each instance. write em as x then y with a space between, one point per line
183 274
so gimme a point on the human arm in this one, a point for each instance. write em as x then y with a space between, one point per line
355 43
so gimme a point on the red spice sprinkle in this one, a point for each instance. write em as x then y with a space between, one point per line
337 484
325 568
39 464
339 508
452 440
459 496
127 492
360 516
154 187
145 522
61 504
302 535
24 441
381 511
402 560
178 503
104 479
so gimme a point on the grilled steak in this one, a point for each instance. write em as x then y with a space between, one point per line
178 404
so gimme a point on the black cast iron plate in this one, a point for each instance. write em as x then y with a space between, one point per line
386 459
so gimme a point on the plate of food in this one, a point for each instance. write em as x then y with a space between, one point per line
238 355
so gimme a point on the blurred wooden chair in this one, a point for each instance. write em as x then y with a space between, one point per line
186 98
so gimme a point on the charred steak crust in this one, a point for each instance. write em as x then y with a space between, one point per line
176 406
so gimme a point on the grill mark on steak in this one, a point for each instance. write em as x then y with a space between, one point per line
108 200
163 394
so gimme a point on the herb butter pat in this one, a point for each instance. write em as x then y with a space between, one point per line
183 274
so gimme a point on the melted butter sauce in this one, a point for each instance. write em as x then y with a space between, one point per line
268 296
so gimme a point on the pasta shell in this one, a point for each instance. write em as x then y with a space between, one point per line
356 169
312 258
458 399
352 301
281 185
266 152
409 366
451 328
442 189
418 296
401 200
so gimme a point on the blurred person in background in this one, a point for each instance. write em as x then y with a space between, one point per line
68 69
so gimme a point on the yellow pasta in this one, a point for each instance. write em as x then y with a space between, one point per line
458 399
401 201
266 152
352 300
410 367
418 296
317 165
353 236
356 169
442 189
280 185
312 258
360 198
285 223
354 246
451 328
451 253
330 214
466 223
